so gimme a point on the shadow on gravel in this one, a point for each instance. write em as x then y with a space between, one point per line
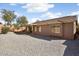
36 36
72 48
21 33
41 37
48 38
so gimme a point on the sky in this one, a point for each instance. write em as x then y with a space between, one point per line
41 11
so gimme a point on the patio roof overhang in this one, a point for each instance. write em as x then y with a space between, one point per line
46 23
66 19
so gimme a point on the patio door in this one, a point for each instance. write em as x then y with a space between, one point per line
68 30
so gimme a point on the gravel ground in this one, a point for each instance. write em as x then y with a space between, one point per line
12 44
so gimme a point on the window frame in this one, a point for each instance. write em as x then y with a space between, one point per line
39 28
56 28
35 29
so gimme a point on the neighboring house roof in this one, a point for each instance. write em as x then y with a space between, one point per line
65 19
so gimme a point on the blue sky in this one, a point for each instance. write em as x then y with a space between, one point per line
42 11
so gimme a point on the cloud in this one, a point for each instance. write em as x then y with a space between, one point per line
17 14
13 4
77 4
0 15
47 15
1 20
34 20
78 19
76 13
38 7
50 15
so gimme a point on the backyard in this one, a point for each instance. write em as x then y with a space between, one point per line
13 44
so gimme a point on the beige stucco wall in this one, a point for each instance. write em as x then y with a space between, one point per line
67 30
47 30
1 28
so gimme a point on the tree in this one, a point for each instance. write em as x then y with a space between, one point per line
22 21
8 16
16 26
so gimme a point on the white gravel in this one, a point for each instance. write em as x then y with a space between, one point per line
12 44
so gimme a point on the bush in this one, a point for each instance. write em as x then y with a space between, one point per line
77 33
5 30
77 29
16 26
30 29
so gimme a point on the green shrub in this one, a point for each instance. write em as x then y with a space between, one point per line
5 30
30 29
77 29
16 26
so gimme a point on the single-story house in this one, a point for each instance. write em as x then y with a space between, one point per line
64 27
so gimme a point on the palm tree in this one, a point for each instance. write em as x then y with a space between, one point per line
8 16
22 21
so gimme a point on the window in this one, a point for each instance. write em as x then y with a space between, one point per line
32 28
39 29
56 28
35 29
